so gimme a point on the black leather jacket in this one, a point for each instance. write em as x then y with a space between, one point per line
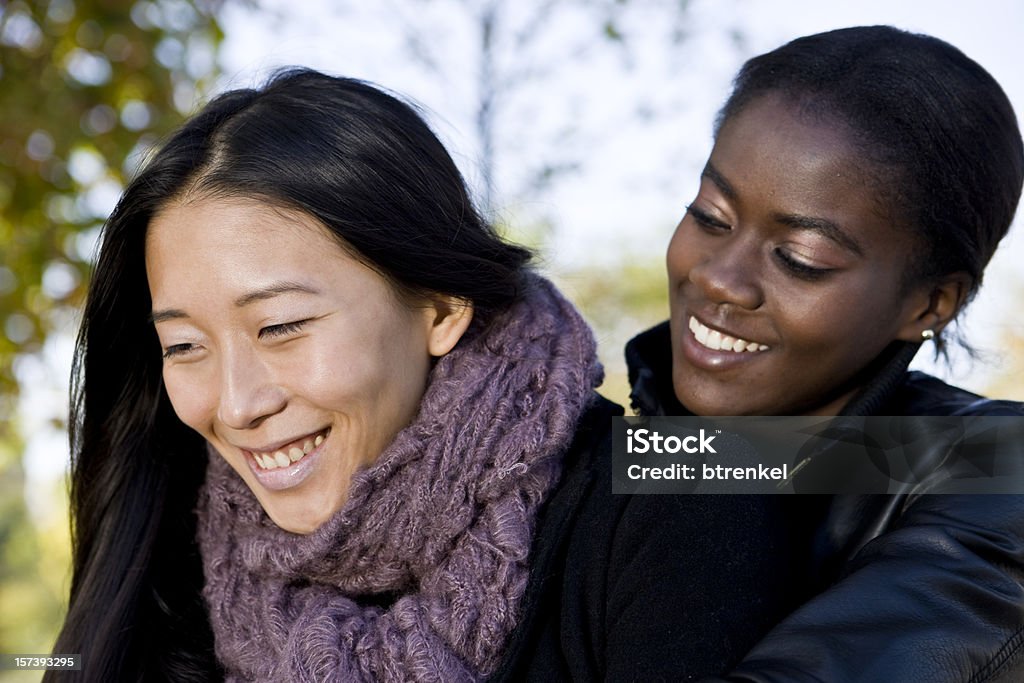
905 587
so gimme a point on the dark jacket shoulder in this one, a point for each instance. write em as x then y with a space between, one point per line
922 394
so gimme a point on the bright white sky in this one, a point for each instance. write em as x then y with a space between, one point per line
636 175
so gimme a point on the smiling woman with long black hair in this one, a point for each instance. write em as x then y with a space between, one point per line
859 183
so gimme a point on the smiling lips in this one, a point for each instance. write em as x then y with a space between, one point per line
717 341
288 454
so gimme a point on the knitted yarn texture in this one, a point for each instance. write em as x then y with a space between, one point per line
420 575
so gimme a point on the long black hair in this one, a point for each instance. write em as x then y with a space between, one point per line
940 134
368 168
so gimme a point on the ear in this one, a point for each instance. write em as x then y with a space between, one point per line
935 305
448 319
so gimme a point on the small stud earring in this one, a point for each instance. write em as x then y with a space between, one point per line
928 334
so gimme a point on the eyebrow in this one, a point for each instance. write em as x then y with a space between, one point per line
823 226
713 174
268 292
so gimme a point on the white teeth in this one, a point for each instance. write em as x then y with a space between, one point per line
282 458
716 341
702 334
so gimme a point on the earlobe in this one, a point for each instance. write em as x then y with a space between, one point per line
449 319
938 307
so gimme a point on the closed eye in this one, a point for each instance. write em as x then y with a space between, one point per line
799 268
281 330
705 220
178 350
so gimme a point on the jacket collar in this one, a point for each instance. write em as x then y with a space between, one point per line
649 361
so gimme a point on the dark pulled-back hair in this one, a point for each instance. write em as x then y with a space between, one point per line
938 132
369 169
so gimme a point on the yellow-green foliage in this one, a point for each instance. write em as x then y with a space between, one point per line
86 88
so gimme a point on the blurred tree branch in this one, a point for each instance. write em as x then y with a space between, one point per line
516 45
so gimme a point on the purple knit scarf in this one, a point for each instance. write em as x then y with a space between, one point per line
420 575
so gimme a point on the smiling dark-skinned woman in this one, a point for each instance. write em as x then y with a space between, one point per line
859 183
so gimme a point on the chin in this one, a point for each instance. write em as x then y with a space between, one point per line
296 525
303 519
699 400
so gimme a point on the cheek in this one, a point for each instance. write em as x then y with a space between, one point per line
192 398
404 379
678 255
377 379
847 322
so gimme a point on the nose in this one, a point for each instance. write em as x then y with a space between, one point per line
248 393
727 272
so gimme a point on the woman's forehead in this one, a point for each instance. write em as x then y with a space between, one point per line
242 222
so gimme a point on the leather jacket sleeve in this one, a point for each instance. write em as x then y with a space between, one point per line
939 596
930 584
